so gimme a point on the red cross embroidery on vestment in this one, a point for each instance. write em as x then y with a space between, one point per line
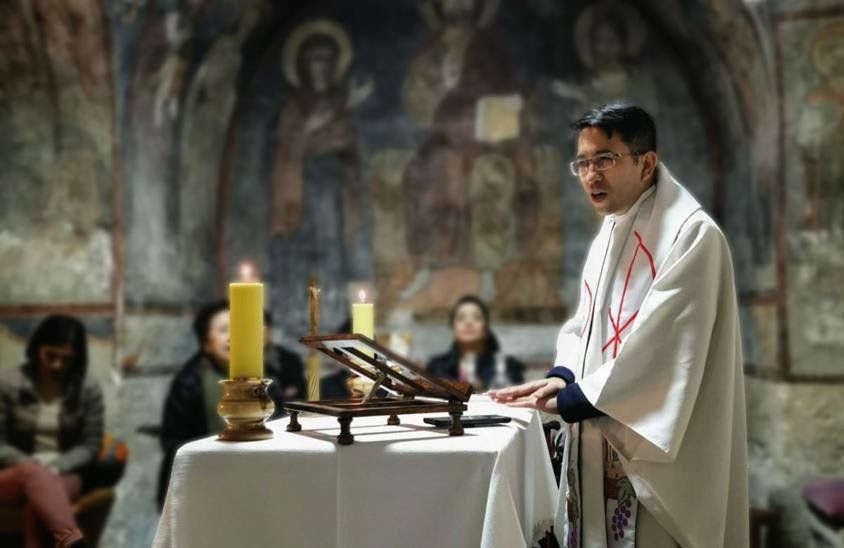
617 326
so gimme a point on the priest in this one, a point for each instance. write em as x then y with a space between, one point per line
648 373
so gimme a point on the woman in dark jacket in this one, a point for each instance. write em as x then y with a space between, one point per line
51 428
190 410
475 355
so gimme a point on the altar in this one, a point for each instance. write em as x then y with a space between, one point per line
402 485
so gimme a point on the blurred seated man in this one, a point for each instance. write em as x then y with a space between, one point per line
51 428
190 409
284 367
475 355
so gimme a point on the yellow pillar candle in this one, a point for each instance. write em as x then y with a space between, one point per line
363 317
246 330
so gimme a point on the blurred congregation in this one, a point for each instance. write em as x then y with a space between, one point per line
412 150
58 458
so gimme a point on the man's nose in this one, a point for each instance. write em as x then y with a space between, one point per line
592 176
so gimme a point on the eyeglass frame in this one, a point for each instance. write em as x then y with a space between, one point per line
590 163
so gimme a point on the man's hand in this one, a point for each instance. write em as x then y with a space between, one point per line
540 395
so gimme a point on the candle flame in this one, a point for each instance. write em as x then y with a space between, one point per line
247 272
362 295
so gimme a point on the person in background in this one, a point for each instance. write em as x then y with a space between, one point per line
284 367
475 355
51 428
334 382
190 409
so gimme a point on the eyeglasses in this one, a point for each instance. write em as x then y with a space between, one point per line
600 162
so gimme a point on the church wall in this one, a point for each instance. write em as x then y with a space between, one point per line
794 418
421 155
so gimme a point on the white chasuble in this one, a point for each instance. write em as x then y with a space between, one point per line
655 347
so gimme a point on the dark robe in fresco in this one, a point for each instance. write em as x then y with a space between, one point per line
313 206
436 181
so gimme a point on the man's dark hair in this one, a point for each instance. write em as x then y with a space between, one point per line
59 330
635 126
202 321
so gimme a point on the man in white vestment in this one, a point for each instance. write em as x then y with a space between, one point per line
648 373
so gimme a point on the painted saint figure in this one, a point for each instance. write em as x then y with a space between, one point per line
315 189
820 134
472 110
609 36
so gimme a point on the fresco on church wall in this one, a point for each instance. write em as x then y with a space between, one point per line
434 155
315 185
179 71
417 146
55 148
471 195
814 176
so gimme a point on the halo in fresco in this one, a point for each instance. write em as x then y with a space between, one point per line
635 29
322 27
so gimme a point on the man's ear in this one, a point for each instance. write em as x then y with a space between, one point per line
650 159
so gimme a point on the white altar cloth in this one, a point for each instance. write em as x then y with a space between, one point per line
404 486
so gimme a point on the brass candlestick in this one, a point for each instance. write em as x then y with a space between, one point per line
313 358
245 406
313 304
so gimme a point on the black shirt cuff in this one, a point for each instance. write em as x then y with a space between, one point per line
561 372
573 406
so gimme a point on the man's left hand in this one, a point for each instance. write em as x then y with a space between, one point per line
540 395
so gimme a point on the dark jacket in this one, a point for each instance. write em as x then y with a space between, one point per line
333 386
287 371
447 365
80 421
183 418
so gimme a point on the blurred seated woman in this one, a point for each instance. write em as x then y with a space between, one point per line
475 355
51 428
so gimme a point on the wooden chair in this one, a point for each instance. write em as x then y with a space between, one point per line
825 511
824 534
763 520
